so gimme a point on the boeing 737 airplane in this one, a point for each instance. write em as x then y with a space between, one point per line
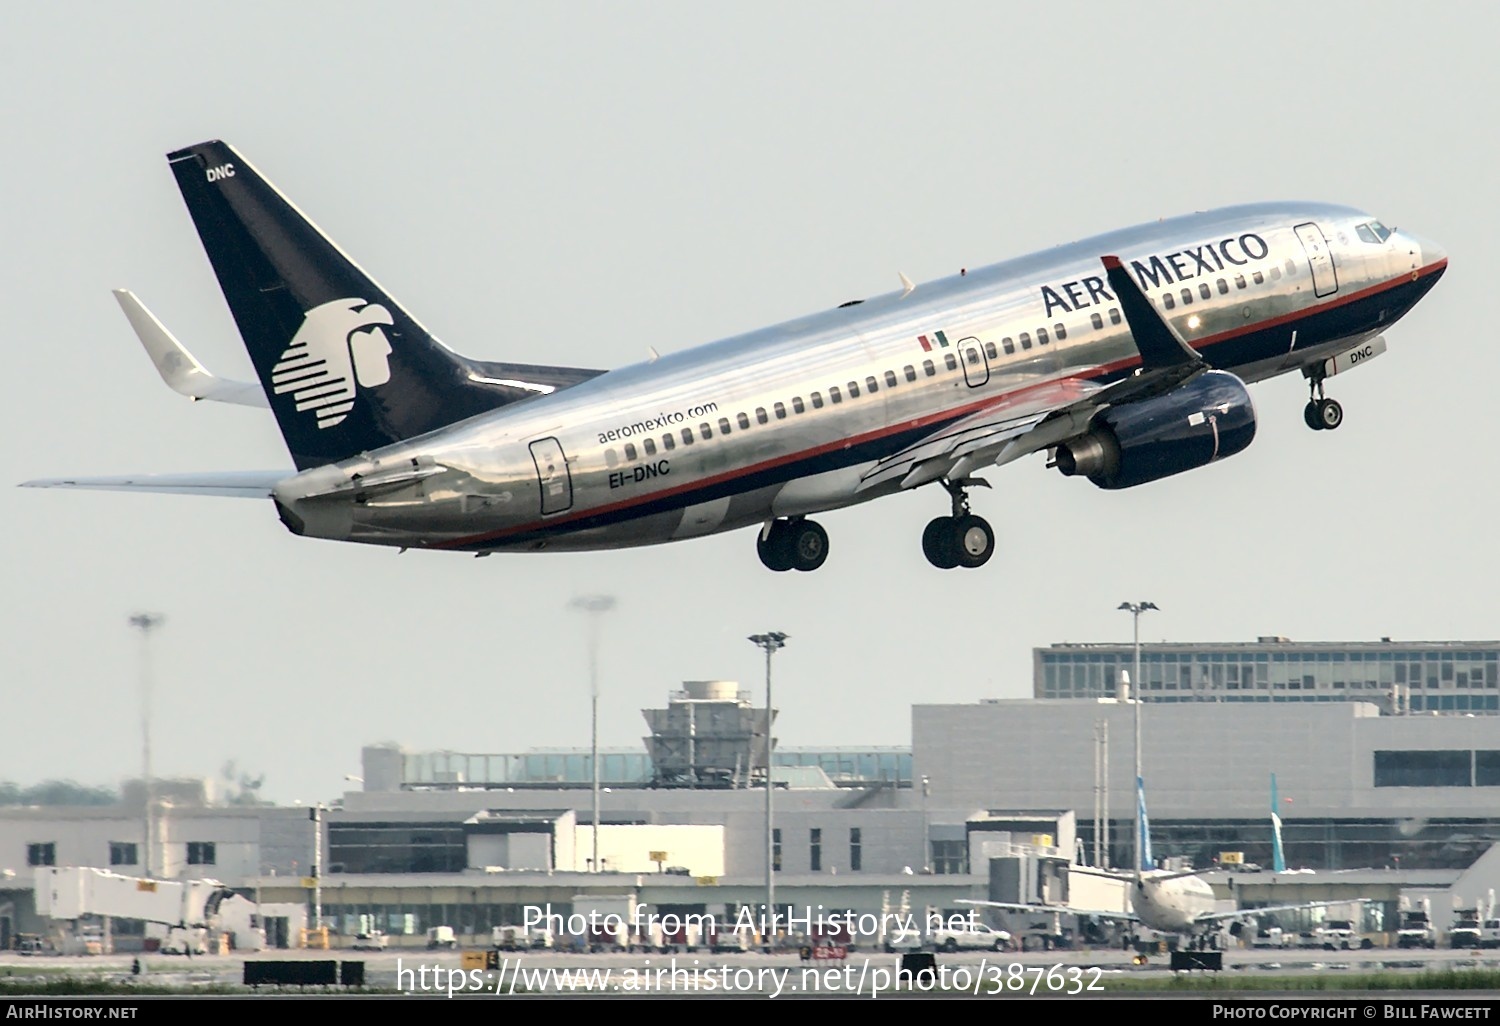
1170 901
1124 357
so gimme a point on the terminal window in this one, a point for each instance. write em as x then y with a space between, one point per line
122 853
950 857
1487 769
856 852
398 847
1438 768
201 853
44 854
815 850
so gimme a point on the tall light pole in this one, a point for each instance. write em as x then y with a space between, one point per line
594 605
770 642
146 623
1136 609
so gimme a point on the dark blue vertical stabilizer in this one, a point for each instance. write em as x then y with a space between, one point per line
345 368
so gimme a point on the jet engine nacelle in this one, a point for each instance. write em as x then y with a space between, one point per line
1205 420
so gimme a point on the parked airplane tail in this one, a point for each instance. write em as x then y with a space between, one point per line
345 367
1145 861
1278 857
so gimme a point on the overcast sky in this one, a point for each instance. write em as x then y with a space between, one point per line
572 183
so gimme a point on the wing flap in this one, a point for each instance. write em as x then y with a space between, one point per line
977 437
1300 906
240 484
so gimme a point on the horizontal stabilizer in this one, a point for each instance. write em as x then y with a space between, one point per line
179 368
1160 346
240 484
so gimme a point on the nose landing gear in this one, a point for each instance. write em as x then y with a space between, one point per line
1321 413
962 539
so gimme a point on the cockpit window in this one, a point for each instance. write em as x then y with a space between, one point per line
1373 231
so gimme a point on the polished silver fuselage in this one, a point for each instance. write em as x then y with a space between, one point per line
1173 904
604 463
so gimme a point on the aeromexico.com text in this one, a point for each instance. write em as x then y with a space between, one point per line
811 921
660 422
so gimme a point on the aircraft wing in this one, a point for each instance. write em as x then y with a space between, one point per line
179 368
240 484
1125 917
1211 917
1045 415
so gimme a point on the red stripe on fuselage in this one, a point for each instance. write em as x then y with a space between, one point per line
945 415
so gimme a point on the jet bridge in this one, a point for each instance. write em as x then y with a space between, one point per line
187 908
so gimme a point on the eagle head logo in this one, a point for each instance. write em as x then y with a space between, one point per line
339 347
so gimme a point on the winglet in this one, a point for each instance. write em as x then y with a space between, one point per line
179 368
1159 345
906 285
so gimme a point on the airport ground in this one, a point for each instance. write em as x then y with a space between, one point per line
864 973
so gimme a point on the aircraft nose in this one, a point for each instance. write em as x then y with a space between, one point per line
1425 252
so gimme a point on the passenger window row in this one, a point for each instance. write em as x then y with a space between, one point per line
870 386
1185 296
1024 339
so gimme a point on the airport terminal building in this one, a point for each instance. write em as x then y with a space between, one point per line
993 800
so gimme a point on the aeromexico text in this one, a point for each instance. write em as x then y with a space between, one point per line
813 922
1156 271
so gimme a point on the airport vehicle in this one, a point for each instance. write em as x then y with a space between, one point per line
520 938
969 937
441 937
31 944
1124 357
375 940
1340 935
1175 902
1489 934
1416 930
1466 930
1273 937
957 935
609 921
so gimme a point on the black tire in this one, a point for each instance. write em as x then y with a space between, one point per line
973 541
809 544
1330 414
999 946
1311 417
950 945
775 549
938 543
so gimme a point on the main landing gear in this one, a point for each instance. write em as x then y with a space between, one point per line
792 544
962 539
1321 413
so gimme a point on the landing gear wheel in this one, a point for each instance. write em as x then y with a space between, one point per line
973 540
1311 417
775 547
809 544
1330 414
939 544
